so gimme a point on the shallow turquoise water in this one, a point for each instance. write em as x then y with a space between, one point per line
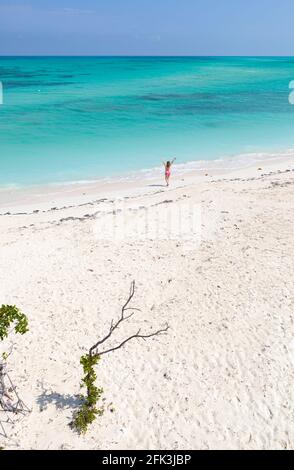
77 118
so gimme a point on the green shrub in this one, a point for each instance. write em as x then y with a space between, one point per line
12 315
88 410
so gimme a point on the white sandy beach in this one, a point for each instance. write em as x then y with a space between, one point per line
223 376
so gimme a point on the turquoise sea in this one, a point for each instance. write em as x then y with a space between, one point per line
77 118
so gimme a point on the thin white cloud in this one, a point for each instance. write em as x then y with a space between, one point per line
76 11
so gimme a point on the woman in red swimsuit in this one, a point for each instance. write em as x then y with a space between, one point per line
167 167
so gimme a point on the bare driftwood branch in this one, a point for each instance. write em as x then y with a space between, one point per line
137 335
11 406
113 326
88 409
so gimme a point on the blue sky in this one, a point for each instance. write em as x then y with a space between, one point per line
146 27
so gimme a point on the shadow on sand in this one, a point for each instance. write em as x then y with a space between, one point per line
157 185
59 400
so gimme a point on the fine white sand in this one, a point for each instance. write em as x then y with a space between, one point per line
223 376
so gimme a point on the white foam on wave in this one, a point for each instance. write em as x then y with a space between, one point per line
227 163
9 187
236 162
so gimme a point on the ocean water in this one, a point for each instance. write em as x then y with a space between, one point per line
77 118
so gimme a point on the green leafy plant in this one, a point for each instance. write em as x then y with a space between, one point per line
11 315
88 410
10 318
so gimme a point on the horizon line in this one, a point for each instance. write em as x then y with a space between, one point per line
146 55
